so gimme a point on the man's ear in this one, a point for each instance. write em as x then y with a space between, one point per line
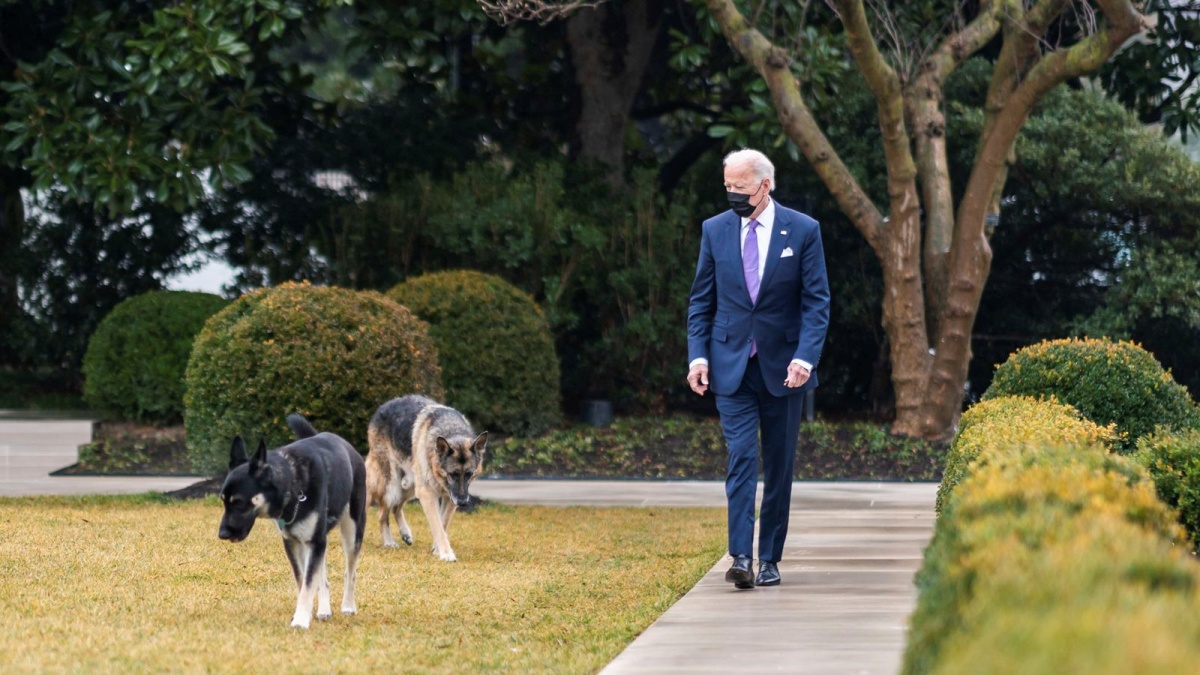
481 443
237 453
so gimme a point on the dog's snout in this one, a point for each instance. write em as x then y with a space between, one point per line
224 533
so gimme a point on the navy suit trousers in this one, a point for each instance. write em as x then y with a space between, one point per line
743 414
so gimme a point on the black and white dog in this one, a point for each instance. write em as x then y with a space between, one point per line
307 487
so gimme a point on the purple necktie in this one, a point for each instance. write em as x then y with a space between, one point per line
750 261
750 269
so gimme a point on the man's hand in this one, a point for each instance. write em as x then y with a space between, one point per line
797 375
698 378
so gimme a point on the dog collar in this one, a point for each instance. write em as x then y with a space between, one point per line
295 512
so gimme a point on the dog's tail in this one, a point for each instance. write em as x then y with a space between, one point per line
300 426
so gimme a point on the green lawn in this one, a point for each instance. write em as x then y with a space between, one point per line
136 584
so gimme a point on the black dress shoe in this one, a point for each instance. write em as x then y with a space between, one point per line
741 574
768 574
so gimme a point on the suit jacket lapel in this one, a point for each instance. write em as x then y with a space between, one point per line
780 233
733 230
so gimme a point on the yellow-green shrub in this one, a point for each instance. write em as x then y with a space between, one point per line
1173 460
1027 499
1109 382
331 354
1009 424
495 348
1111 598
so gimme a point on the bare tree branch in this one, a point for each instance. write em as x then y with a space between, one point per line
884 84
797 120
925 110
542 11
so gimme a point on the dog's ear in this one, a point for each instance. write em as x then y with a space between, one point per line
258 463
443 447
481 443
237 453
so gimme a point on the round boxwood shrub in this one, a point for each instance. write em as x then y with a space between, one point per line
495 348
1108 382
134 365
331 354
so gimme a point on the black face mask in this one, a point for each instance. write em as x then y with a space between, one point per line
740 203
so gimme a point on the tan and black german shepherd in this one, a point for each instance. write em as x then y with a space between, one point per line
421 448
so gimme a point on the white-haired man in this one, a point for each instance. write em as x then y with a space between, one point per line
756 324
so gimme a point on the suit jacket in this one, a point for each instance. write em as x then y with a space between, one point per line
789 319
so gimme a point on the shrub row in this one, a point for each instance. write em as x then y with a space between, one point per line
687 447
332 354
1051 555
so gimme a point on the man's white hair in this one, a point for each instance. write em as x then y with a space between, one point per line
758 163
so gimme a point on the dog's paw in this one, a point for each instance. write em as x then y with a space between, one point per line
300 623
407 539
448 557
349 610
324 616
392 544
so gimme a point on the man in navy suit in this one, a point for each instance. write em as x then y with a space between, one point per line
756 325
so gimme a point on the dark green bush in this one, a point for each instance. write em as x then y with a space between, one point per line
1109 382
135 360
331 354
494 347
1173 460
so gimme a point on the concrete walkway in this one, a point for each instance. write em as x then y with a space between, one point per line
847 573
34 444
92 485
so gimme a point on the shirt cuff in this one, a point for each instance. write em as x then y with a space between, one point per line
803 364
697 362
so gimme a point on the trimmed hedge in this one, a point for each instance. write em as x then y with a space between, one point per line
1109 382
332 354
1111 598
1050 537
135 361
495 349
1010 423
1173 460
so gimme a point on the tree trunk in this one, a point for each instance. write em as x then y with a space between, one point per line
904 321
610 50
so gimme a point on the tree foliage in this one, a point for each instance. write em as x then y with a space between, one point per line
118 101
